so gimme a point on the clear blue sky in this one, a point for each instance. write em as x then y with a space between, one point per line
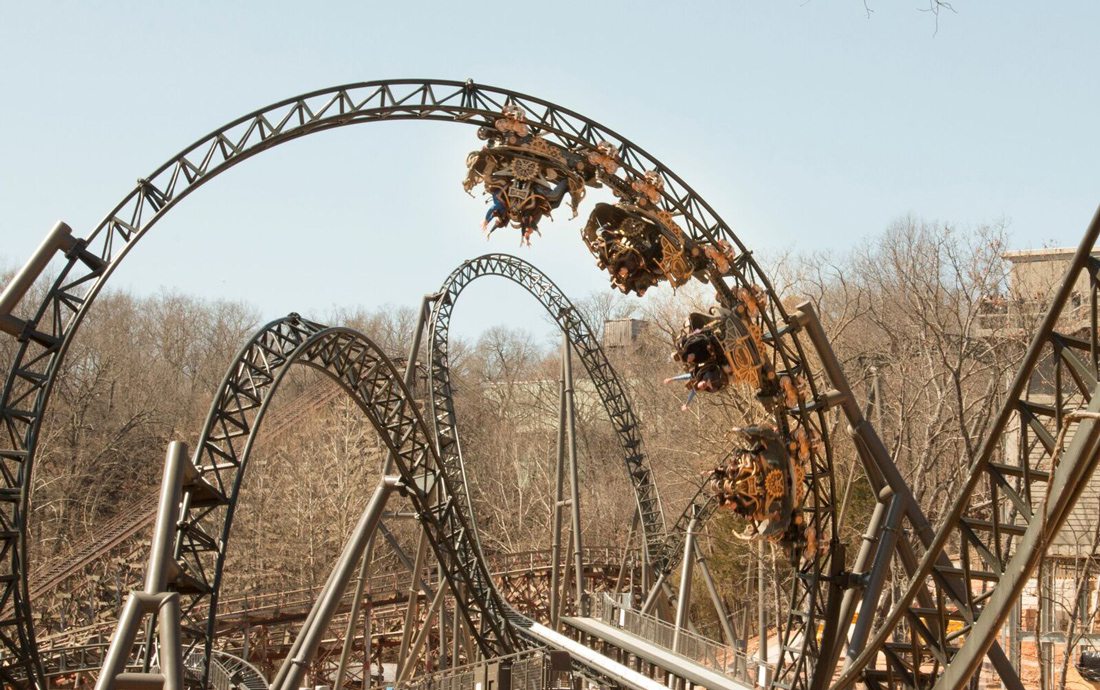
801 122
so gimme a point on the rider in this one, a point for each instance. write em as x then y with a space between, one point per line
528 224
498 211
705 379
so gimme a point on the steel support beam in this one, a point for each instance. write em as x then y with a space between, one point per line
984 470
368 629
872 567
567 579
58 239
882 473
387 469
405 669
1075 465
683 601
761 608
574 475
296 645
628 555
413 606
155 599
654 595
556 518
294 666
720 609
353 617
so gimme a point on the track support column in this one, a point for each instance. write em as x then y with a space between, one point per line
871 569
154 600
557 521
387 468
574 475
683 601
627 555
294 667
58 239
1075 466
715 599
882 473
764 676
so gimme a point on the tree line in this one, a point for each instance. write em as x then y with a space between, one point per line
906 313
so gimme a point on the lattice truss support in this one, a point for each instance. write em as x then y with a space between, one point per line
373 383
966 579
580 336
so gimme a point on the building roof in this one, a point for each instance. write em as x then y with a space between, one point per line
1044 254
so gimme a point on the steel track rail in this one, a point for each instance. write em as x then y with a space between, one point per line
664 546
580 336
232 427
374 384
46 332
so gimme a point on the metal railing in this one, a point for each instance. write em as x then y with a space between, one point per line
227 672
234 674
527 673
88 657
500 564
701 650
1025 315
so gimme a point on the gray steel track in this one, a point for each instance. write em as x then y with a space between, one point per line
613 396
665 546
372 381
46 334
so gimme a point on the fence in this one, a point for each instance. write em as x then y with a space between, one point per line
227 672
722 658
527 673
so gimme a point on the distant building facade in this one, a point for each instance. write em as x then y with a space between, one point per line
1069 582
624 335
1034 275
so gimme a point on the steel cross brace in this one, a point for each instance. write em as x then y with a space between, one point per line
1075 467
896 501
1013 488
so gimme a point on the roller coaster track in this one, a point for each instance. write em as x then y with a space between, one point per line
81 649
123 526
614 398
45 332
371 380
969 571
665 548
